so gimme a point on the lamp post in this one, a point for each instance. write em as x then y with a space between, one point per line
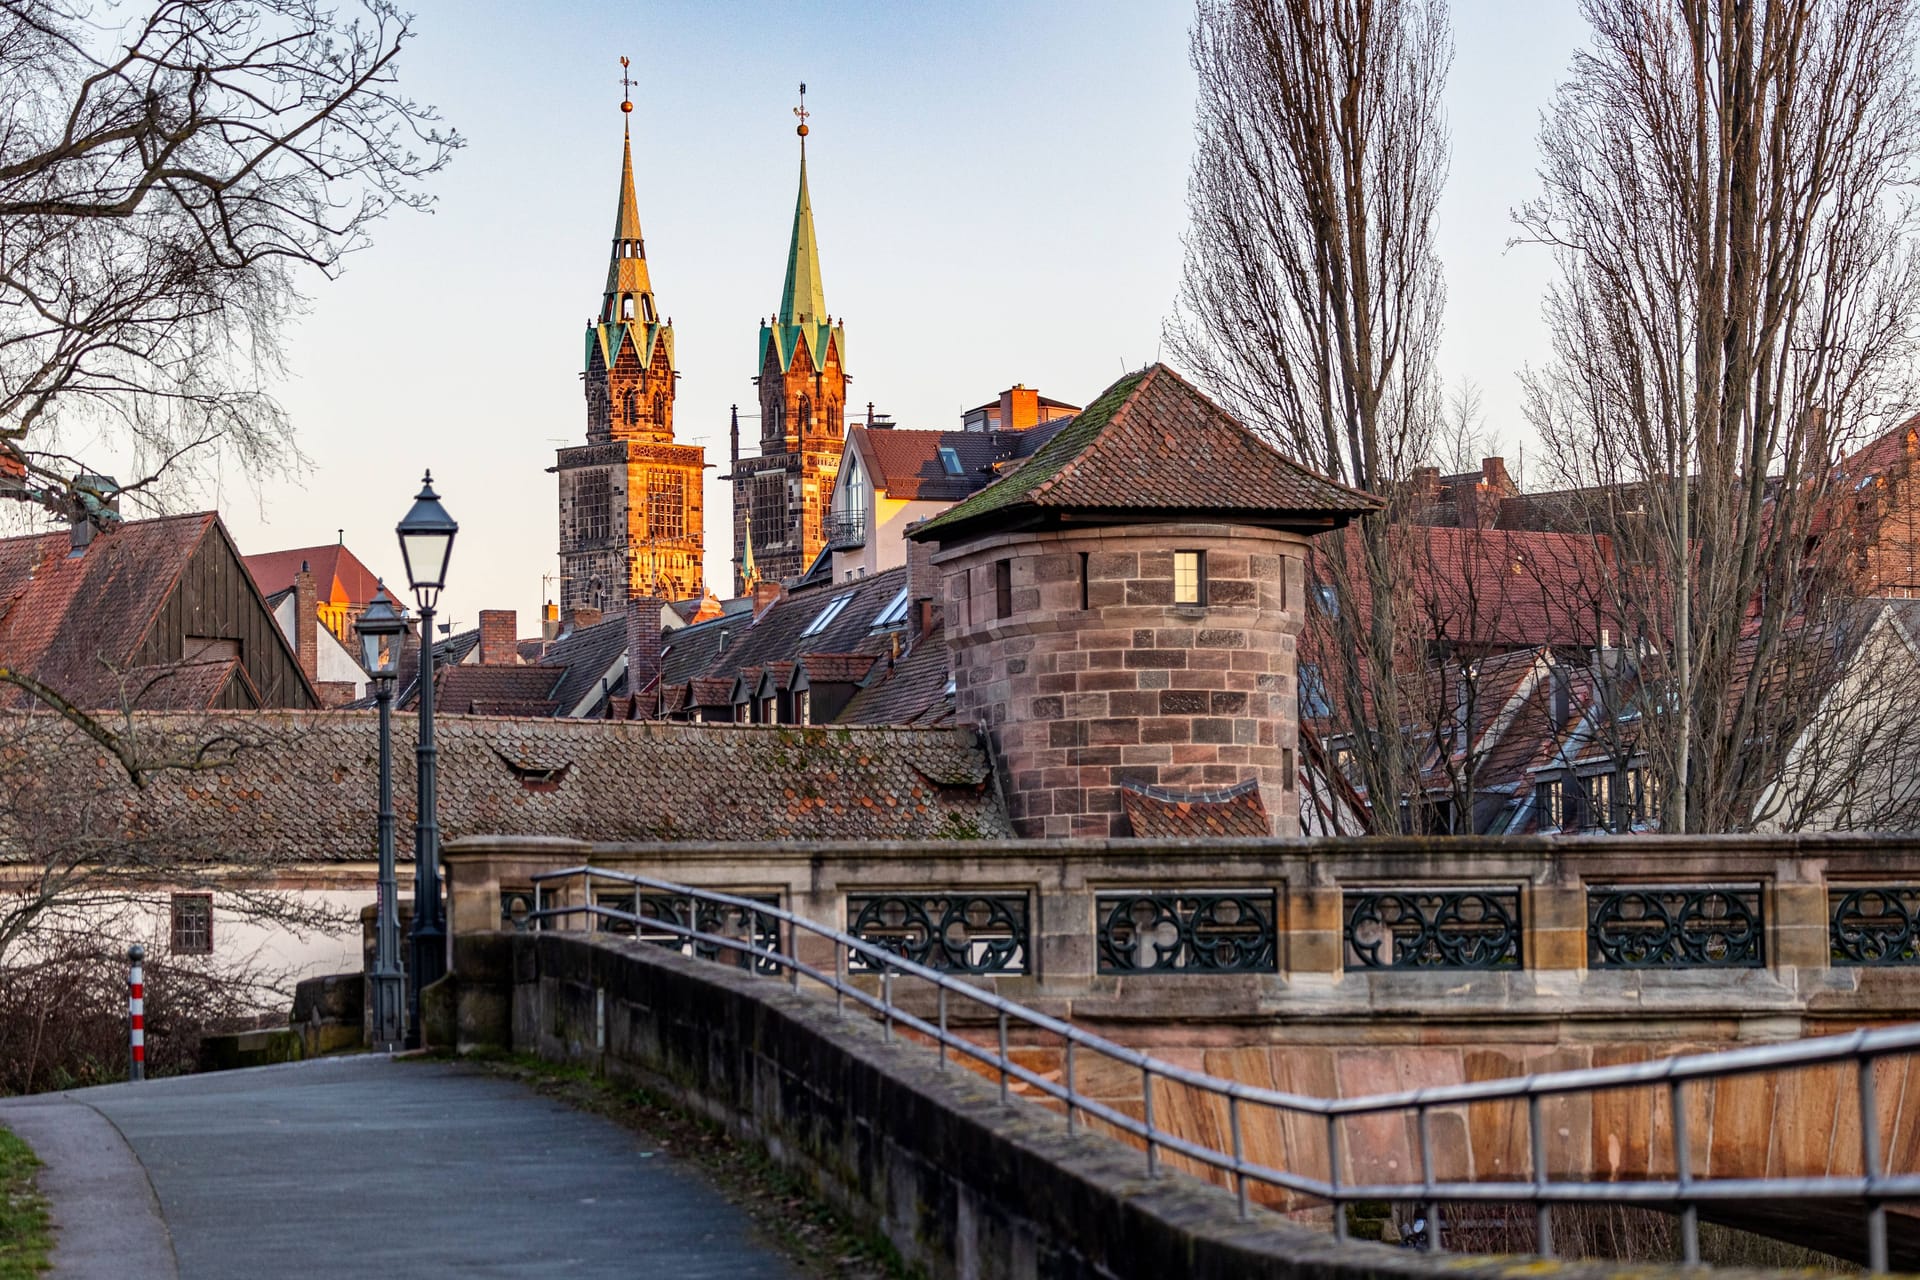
426 544
380 627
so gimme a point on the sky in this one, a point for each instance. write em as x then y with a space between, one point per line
999 191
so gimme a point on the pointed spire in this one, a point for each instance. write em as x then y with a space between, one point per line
629 295
804 300
749 572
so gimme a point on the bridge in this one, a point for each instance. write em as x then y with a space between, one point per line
1437 1023
1100 1058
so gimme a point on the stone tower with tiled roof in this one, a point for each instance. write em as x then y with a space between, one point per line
1122 610
802 377
631 519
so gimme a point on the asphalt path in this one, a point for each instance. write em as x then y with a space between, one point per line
346 1166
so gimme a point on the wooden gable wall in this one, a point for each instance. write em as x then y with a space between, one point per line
216 599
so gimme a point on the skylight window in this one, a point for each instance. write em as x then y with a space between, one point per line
895 613
950 461
825 617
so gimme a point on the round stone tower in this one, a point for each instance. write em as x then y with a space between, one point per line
1122 612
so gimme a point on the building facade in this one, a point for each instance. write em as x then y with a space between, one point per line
631 519
802 376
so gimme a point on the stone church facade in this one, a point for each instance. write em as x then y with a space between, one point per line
631 522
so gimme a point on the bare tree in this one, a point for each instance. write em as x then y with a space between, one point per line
1725 190
1311 301
1463 438
166 174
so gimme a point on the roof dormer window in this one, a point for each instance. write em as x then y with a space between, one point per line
949 461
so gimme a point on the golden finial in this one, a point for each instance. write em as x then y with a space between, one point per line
626 87
802 111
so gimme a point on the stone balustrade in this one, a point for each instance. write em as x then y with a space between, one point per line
1552 940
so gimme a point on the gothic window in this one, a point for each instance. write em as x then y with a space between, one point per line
646 302
630 406
626 307
659 410
770 507
666 504
593 507
806 414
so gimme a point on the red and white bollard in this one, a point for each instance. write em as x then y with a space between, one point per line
137 1008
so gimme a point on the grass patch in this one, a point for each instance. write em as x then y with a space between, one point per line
25 1235
784 1210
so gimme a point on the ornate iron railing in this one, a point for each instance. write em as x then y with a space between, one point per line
952 932
1675 926
1874 925
667 919
1872 1189
1423 928
1192 932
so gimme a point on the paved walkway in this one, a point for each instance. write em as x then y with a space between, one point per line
347 1166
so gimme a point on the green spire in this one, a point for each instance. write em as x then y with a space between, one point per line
804 300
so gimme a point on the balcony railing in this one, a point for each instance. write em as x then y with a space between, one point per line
846 530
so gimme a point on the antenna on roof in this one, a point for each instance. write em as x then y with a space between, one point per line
343 536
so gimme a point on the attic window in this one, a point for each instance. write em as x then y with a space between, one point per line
825 617
950 461
895 613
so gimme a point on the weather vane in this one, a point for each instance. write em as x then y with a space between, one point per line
802 111
626 87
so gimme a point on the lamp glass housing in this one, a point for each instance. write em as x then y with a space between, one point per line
380 627
426 544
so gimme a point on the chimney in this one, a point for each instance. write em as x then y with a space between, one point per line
306 621
764 594
1493 471
549 622
923 587
1019 407
644 645
499 641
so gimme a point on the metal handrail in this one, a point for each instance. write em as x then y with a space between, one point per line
1681 1193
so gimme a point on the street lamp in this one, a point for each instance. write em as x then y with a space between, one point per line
426 544
380 627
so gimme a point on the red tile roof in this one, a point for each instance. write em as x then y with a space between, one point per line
1152 443
77 622
338 574
303 787
1166 813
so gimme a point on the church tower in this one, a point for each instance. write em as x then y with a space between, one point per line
630 507
803 395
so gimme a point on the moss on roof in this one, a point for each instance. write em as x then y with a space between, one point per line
1066 445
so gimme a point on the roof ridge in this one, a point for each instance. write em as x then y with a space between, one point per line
1261 440
1072 465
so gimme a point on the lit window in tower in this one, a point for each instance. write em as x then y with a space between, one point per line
666 504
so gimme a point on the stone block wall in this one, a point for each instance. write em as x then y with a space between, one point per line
1088 676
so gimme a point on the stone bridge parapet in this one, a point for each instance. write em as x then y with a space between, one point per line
1538 941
